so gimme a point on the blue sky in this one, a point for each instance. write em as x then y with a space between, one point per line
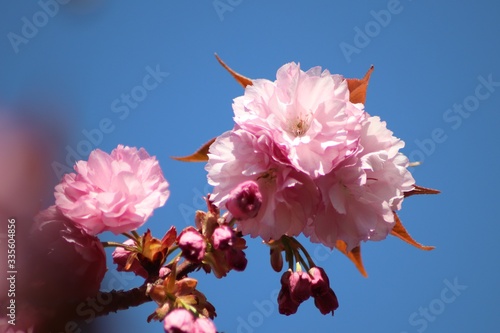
436 83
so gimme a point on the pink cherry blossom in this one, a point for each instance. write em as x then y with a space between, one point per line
289 197
360 195
116 192
307 114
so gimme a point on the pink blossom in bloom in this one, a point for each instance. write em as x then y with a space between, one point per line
116 192
289 197
192 244
360 194
121 256
307 114
245 200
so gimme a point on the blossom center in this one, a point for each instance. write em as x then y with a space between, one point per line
299 126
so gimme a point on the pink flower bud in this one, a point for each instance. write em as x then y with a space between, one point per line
192 244
286 304
300 286
236 259
223 237
179 321
204 325
245 200
327 302
319 282
120 258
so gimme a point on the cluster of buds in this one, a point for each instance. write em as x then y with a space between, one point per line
177 291
214 243
298 286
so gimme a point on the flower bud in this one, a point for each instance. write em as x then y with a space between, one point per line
276 259
223 238
192 244
327 302
236 259
245 200
179 321
286 304
204 325
121 256
300 286
319 281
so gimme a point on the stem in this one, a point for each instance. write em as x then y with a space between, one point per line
303 249
128 236
285 240
115 244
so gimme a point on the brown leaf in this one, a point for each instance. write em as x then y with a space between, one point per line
421 190
354 255
357 87
243 80
400 232
201 155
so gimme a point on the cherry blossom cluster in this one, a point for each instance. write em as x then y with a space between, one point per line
323 166
302 158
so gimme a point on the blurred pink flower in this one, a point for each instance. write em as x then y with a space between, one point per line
289 197
360 195
183 321
116 192
204 325
121 256
179 321
307 114
67 265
